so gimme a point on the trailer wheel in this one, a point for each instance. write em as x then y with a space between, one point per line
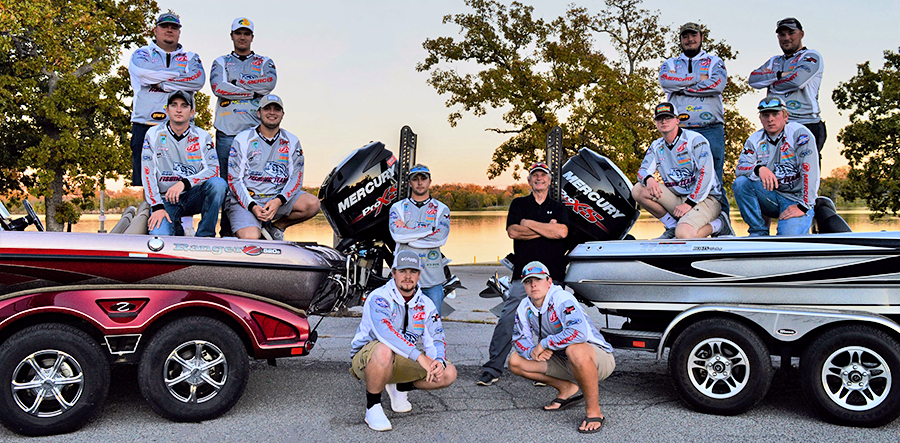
53 379
719 366
849 374
193 369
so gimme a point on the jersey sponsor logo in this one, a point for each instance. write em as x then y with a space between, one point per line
183 169
225 103
274 169
692 108
146 158
763 147
805 153
162 139
433 255
802 140
786 173
158 116
706 116
676 78
255 144
400 336
681 177
793 105
565 340
682 147
810 59
684 117
685 160
569 309
554 322
380 301
193 147
704 154
232 152
284 149
573 322
588 192
805 167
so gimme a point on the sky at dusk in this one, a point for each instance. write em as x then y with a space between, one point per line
347 67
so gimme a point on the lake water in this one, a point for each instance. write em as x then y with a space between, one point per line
480 236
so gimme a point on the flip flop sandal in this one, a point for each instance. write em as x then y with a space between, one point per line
601 420
564 402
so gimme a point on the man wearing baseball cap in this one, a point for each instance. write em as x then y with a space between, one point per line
795 78
688 203
157 70
694 82
396 319
179 164
538 226
777 173
421 224
557 344
239 80
265 174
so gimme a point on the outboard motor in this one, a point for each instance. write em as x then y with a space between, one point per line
358 193
599 196
827 219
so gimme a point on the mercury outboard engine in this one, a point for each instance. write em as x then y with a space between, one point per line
599 196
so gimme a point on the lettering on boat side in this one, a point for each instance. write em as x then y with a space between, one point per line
252 250
785 331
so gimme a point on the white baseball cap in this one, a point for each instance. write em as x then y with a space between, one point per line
241 22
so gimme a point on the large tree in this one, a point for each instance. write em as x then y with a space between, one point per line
65 122
873 135
548 73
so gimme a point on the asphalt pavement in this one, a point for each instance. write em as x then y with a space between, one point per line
314 398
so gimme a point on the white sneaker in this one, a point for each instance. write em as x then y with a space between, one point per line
399 402
376 419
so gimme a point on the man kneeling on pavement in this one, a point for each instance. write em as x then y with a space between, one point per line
688 205
557 344
395 318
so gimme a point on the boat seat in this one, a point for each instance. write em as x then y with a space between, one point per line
827 219
139 221
123 223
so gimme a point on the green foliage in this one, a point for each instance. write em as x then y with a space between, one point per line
65 123
544 74
870 140
204 116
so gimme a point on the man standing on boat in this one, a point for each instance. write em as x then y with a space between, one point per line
557 344
795 77
181 171
777 173
694 82
157 70
421 224
688 205
538 226
396 317
238 80
265 174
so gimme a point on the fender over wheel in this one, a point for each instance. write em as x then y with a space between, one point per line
53 379
719 366
193 369
848 373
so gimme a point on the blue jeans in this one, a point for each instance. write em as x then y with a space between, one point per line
501 341
715 135
223 148
138 132
205 200
755 201
436 294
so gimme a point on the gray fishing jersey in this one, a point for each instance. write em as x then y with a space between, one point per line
698 100
559 322
168 159
239 82
686 166
400 325
792 156
422 228
156 73
801 76
258 169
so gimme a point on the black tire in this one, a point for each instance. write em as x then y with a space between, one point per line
221 360
75 380
863 356
719 366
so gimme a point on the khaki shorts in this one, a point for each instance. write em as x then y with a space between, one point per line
699 216
558 365
241 218
404 370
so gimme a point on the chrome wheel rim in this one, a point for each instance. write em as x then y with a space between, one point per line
856 378
47 383
195 371
718 368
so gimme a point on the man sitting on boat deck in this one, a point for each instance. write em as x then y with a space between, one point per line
265 172
395 318
181 172
777 173
557 344
688 205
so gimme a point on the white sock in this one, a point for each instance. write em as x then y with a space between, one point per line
716 224
668 221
